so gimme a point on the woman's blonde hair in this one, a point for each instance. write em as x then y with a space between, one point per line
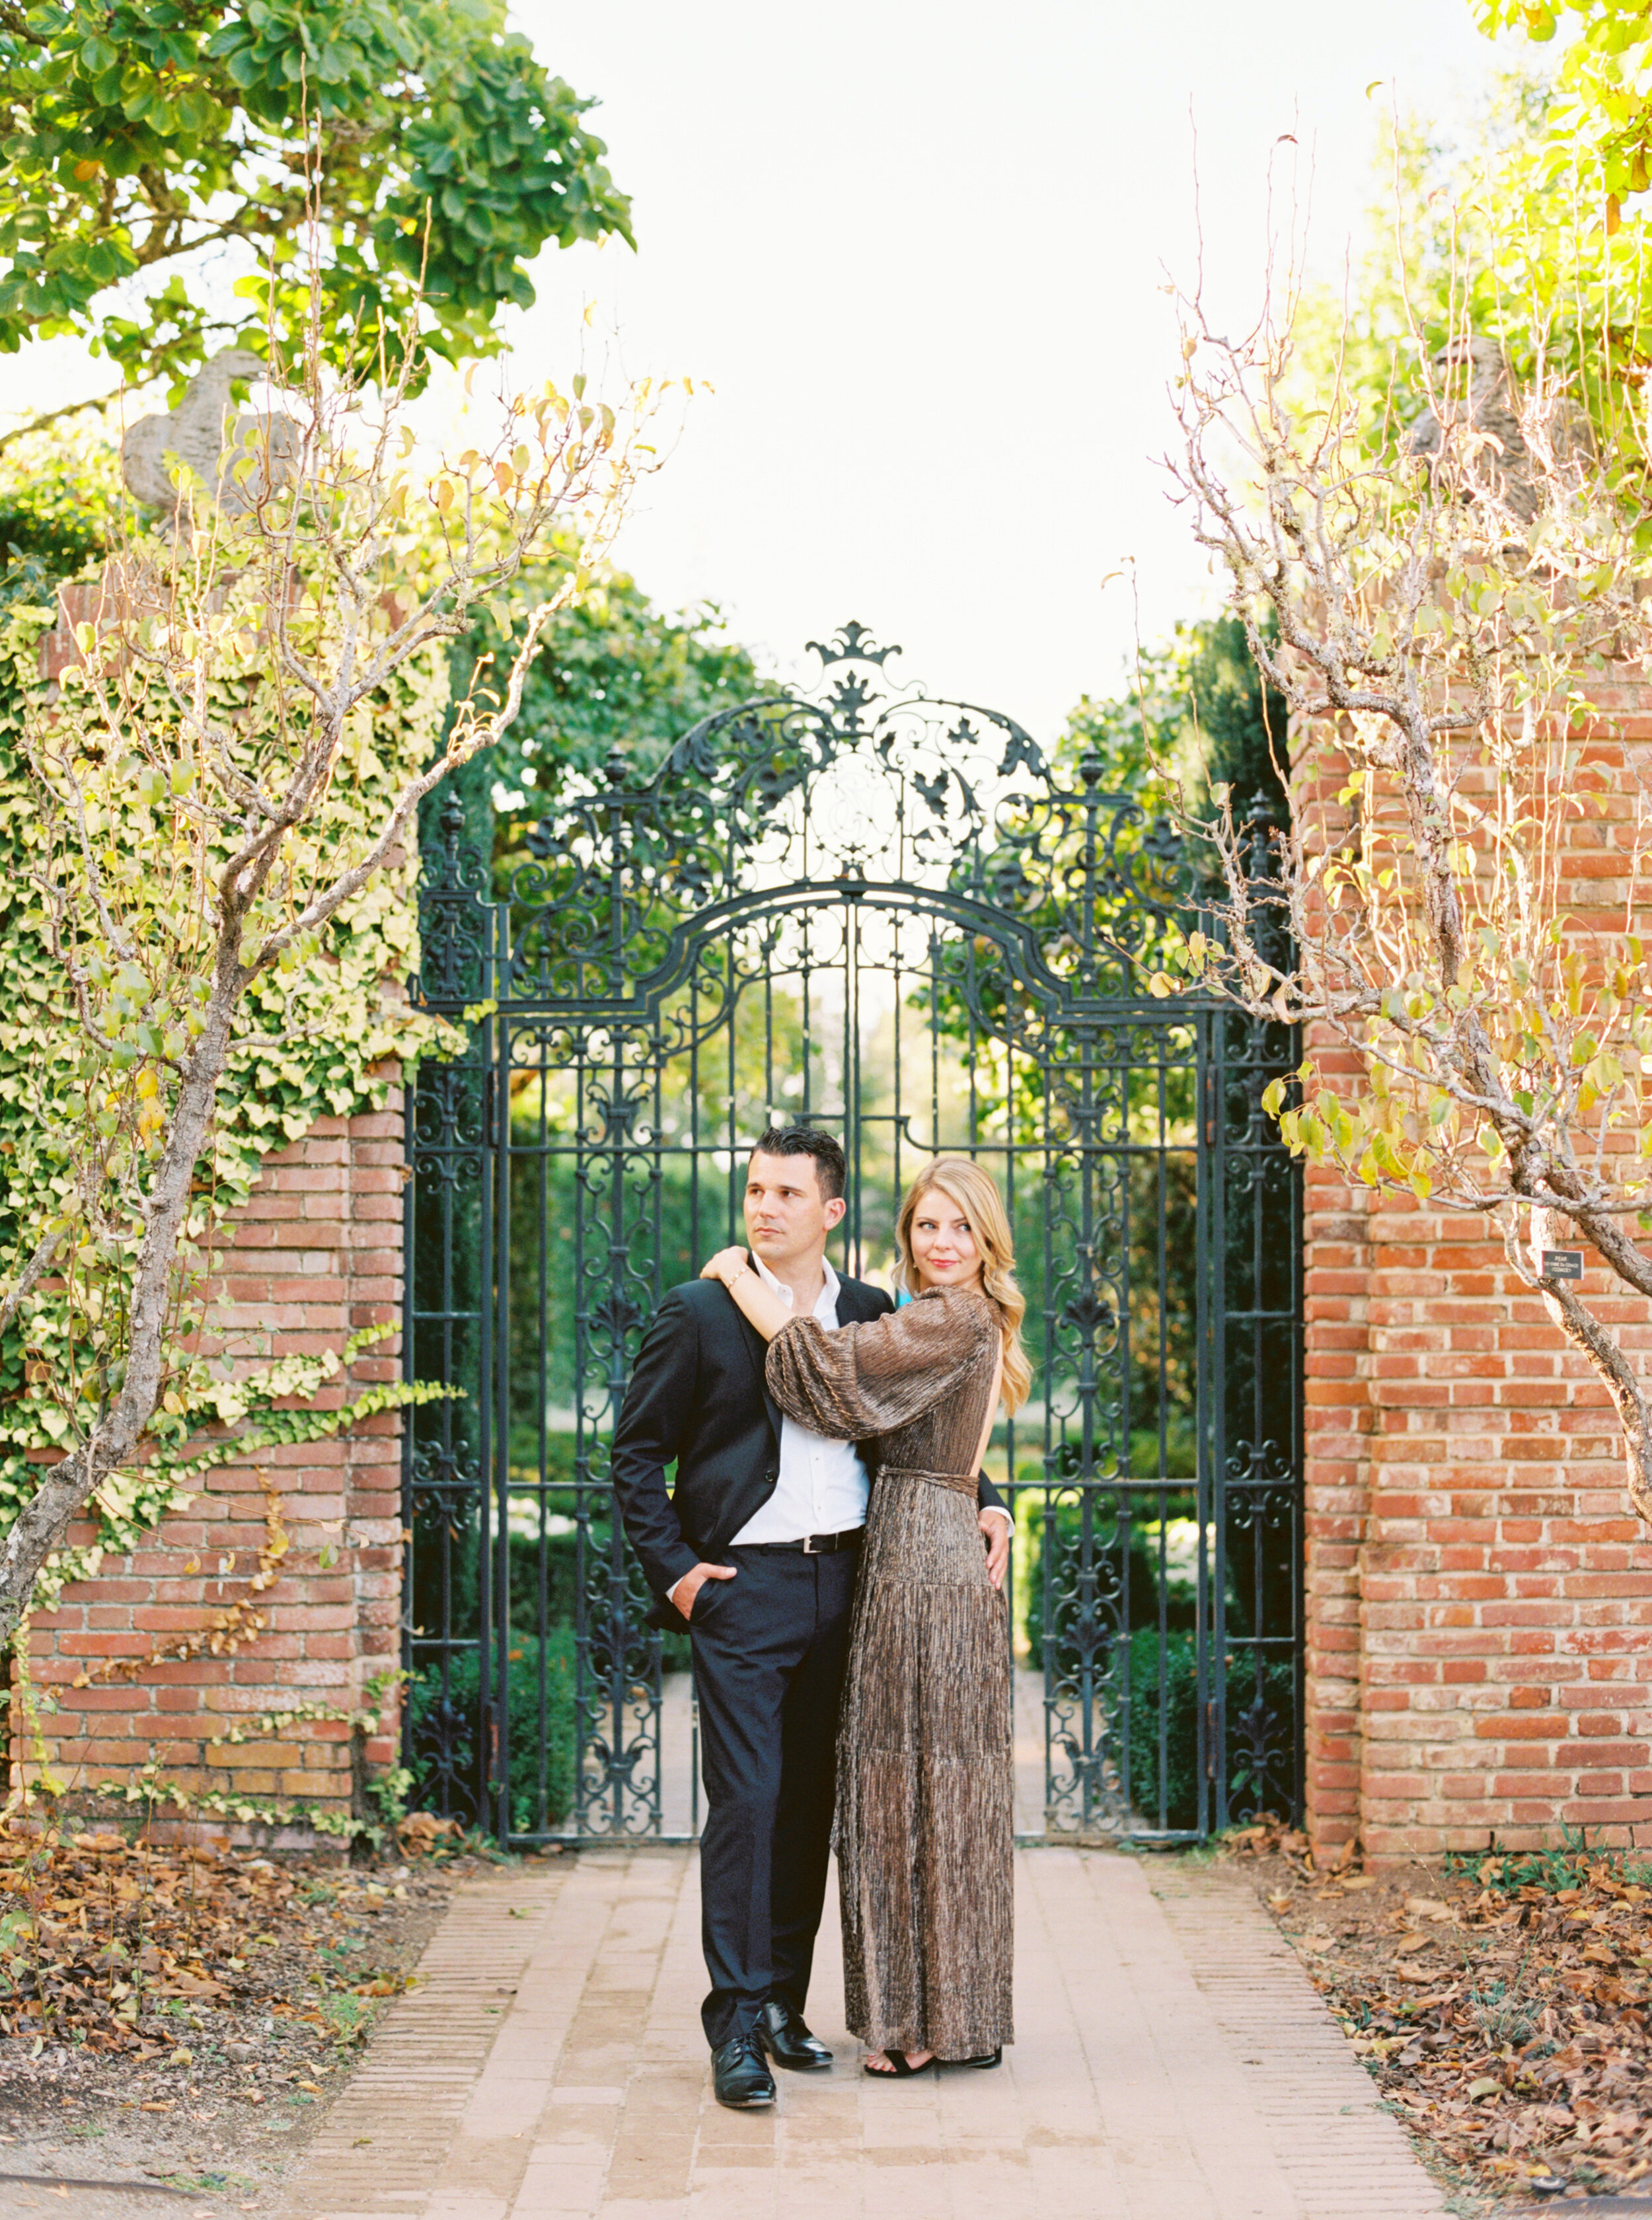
976 1192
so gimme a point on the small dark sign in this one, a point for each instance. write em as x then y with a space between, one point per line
1563 1265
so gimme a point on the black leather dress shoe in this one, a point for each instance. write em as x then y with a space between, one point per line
789 2042
738 2076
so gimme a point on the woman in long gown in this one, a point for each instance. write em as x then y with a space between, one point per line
924 1832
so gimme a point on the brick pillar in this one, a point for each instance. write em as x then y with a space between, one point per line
316 1255
1337 1433
1479 1591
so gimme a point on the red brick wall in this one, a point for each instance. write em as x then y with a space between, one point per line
1337 1416
1479 1592
316 1255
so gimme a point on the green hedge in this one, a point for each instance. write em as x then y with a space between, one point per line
1179 1806
1177 1702
541 1764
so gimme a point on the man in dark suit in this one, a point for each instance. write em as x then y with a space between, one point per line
755 1550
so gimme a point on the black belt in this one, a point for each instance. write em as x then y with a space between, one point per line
813 1545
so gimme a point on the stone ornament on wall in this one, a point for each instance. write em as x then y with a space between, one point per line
237 456
1514 442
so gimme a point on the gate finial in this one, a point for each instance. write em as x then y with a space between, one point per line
854 644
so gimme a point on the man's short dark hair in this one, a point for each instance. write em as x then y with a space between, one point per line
830 1169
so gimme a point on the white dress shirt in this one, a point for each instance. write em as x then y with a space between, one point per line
823 1487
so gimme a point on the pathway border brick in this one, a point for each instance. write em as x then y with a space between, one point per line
1175 2063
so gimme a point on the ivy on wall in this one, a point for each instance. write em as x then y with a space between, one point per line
324 1038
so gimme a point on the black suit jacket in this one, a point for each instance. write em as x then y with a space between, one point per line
698 1399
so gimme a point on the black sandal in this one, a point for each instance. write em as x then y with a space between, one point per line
987 2058
898 2070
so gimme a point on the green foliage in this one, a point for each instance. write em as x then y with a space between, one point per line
1163 1684
1122 1560
142 135
1168 1690
317 1039
613 672
1202 714
1602 109
1143 1572
1197 713
1512 232
1198 705
541 1732
60 507
1571 1865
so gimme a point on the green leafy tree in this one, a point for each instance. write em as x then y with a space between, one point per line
1603 105
1506 231
613 672
1199 703
149 145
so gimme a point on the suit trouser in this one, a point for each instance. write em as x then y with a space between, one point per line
769 1651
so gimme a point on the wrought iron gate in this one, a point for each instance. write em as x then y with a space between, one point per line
889 914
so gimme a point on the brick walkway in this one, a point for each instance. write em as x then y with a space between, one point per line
1173 2064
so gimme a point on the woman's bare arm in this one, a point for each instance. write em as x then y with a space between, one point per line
759 1304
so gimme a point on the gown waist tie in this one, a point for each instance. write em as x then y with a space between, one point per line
965 1483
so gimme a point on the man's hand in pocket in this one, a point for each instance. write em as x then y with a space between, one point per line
682 1595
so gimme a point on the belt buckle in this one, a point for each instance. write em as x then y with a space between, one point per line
809 1550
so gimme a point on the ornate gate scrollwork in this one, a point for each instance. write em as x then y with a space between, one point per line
890 914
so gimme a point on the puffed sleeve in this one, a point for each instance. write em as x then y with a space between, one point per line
869 1379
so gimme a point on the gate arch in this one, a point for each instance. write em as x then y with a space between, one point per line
887 912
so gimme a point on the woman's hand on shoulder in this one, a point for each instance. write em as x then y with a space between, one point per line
727 1265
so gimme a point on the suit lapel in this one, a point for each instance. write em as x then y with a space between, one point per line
857 1302
757 1349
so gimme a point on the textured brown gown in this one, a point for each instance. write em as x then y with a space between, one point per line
924 1832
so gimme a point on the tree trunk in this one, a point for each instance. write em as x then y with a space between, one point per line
66 1487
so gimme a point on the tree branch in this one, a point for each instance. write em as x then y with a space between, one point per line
55 415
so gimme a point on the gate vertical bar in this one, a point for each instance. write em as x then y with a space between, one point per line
498 1743
1210 1679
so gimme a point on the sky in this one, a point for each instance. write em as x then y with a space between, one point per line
918 251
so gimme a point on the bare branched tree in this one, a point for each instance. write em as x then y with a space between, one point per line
1456 910
180 775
